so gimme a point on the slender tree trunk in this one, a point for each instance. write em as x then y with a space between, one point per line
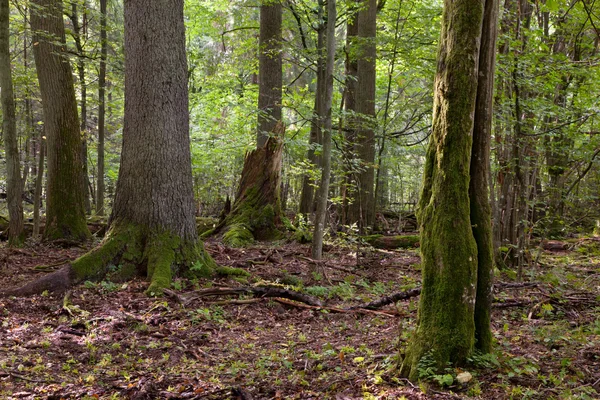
269 70
65 212
479 186
77 32
39 179
101 109
322 195
14 186
307 196
351 66
446 326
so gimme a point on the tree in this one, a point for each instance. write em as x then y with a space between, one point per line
9 130
323 191
269 70
152 227
362 209
101 109
449 245
257 207
65 213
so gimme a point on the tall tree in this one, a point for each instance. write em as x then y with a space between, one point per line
152 228
269 69
363 208
14 186
323 191
101 109
256 211
446 326
65 213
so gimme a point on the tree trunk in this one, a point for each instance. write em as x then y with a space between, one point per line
152 228
101 109
77 32
269 70
446 327
14 186
65 212
363 208
479 186
307 196
322 195
349 123
256 211
39 179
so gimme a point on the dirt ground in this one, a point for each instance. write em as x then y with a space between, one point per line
110 341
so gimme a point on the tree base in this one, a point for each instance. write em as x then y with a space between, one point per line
157 255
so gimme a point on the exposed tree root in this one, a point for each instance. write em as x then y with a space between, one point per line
137 251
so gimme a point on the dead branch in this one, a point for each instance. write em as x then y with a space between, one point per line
332 309
384 301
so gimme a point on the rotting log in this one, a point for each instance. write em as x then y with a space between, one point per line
392 242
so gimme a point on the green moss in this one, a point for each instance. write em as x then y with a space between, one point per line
231 271
392 242
238 235
204 225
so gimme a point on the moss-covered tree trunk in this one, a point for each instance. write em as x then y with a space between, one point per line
65 213
446 328
9 133
152 227
256 211
479 187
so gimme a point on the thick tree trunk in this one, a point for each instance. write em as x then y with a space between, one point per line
256 213
101 109
479 186
14 186
446 327
364 203
322 194
269 70
65 213
152 229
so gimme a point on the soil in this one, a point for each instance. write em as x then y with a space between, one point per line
110 341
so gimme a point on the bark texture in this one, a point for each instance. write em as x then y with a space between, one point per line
363 208
479 186
269 70
152 229
446 327
65 213
322 194
256 211
9 132
101 109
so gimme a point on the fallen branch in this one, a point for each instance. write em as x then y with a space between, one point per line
515 285
255 291
332 309
384 301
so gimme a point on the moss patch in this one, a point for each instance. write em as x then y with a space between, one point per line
392 242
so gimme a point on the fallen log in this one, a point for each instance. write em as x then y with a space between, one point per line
392 242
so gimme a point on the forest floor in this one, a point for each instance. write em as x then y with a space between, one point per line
110 341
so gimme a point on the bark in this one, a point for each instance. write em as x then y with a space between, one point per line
65 213
152 229
479 186
14 186
307 196
269 70
351 67
101 109
77 32
39 178
322 195
446 327
256 211
363 208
